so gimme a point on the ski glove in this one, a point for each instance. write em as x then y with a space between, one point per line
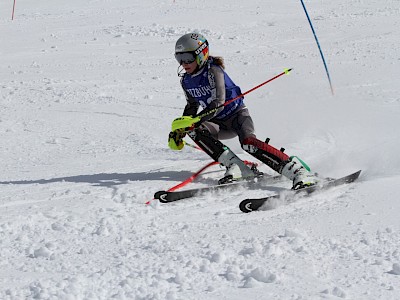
184 122
175 139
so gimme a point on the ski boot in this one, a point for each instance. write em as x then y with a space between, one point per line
295 169
236 169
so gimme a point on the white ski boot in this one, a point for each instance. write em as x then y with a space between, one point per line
236 169
296 170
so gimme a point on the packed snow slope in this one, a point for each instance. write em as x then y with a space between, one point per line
88 93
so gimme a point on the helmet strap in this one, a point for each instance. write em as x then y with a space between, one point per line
197 69
180 71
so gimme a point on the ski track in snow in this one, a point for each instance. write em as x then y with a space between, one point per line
87 95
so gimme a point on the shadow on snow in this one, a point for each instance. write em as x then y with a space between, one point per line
111 179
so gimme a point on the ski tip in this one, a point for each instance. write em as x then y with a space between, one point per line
161 196
158 194
355 175
245 206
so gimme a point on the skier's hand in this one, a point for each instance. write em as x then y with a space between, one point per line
175 139
184 122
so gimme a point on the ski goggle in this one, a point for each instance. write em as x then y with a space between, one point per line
185 57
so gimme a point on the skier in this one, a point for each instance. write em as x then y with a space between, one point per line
206 84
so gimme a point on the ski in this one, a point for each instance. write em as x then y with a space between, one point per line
165 196
249 205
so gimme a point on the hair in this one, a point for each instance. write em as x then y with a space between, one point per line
219 61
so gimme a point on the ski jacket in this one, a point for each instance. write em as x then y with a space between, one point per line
209 88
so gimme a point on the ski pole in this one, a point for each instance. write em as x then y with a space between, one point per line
13 10
193 146
187 121
286 71
319 46
188 180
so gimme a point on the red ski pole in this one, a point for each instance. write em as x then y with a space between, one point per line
286 71
187 121
190 179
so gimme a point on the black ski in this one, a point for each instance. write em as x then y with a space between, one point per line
165 196
250 205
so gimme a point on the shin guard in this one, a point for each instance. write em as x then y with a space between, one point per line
269 155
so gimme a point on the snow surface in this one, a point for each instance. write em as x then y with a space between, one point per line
88 93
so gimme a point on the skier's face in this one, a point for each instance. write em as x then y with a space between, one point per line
190 68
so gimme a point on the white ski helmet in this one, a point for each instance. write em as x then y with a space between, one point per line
192 47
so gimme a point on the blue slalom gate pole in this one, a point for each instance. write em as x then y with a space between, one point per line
319 46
